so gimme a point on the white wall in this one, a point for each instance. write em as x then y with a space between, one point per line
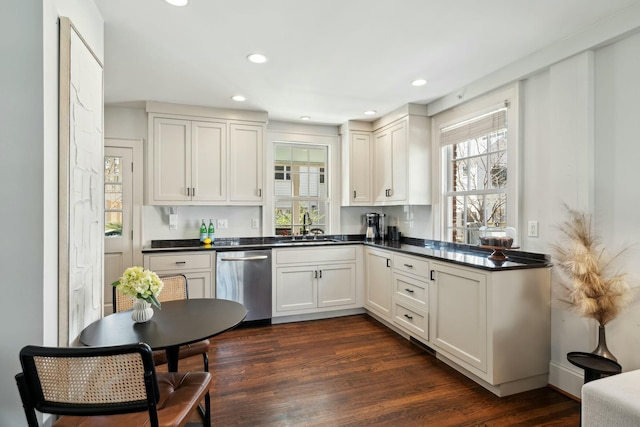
155 222
617 197
29 140
22 206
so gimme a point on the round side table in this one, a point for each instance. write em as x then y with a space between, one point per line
595 366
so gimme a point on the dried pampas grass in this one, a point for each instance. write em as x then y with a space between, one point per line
591 291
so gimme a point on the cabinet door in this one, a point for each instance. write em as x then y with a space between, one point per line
245 163
378 288
296 288
360 169
171 160
398 161
200 284
461 314
382 169
209 161
336 285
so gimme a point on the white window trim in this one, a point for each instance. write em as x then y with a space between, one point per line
467 111
303 136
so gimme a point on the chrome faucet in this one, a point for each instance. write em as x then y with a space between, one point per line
306 222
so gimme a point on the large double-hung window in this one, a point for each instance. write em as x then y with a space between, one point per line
478 173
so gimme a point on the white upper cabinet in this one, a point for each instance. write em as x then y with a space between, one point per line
357 165
402 162
245 163
391 163
387 162
208 162
171 158
194 158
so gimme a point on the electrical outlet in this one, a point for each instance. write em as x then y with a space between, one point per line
254 223
533 229
173 221
223 223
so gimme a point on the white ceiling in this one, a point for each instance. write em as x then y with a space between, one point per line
328 59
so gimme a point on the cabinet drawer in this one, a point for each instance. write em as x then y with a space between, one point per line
314 255
411 291
413 265
179 262
413 320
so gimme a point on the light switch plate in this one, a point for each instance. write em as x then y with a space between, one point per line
223 223
254 223
173 221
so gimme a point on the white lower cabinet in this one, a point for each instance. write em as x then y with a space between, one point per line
315 280
397 290
460 314
197 267
309 287
493 326
411 294
378 277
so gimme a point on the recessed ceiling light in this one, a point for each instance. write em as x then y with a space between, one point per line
419 82
257 58
305 118
238 98
177 2
370 112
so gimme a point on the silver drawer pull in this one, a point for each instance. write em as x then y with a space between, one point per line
408 317
409 290
408 265
245 258
181 262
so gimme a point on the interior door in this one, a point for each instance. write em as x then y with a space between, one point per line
118 217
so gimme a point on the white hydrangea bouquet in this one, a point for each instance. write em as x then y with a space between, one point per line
137 282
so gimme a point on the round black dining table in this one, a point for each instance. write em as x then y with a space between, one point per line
178 323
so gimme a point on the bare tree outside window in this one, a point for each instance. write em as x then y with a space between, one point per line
476 191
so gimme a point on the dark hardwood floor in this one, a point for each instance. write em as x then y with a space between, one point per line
352 371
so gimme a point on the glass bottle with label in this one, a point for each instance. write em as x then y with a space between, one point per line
212 231
203 231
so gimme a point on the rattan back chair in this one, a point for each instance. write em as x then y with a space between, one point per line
85 384
176 287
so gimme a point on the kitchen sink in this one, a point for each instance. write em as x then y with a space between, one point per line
307 242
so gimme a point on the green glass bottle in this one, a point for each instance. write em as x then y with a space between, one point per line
203 231
212 231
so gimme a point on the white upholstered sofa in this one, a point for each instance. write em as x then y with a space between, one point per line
612 401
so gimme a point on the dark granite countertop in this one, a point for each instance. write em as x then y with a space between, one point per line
467 255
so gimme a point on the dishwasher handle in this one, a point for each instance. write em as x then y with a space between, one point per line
245 258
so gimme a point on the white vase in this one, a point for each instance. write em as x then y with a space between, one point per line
142 311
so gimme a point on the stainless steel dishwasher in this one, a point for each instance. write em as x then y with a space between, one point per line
245 277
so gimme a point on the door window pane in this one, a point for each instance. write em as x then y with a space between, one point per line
113 213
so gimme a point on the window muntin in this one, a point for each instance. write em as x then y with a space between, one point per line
476 186
300 187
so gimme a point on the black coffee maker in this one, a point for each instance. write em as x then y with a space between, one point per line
372 231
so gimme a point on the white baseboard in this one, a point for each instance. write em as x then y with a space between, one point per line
316 316
566 379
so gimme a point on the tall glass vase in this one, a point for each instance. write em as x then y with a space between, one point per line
601 349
